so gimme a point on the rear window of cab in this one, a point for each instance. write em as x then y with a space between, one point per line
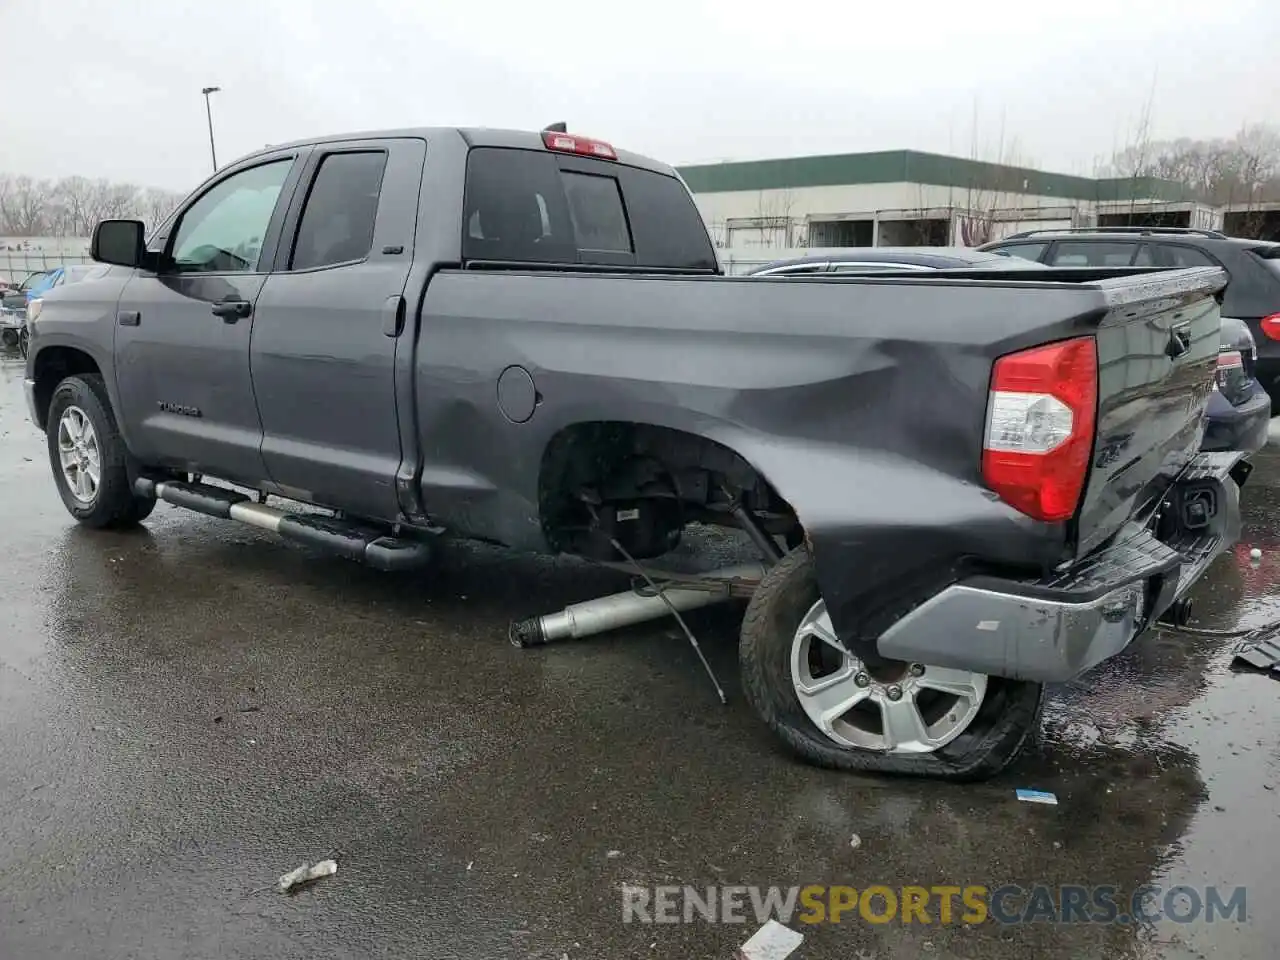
529 206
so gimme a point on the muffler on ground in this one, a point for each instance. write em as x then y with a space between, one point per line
635 606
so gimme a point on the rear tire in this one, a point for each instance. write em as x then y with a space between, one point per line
1005 723
88 456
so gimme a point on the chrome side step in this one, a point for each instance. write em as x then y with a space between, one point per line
347 538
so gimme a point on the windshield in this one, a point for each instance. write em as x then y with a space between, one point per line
44 282
32 279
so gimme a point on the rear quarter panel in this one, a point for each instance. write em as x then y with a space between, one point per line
862 402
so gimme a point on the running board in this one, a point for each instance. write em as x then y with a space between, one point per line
346 538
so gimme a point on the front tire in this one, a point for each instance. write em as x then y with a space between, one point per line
88 456
966 726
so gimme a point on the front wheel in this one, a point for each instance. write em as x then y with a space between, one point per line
832 710
88 456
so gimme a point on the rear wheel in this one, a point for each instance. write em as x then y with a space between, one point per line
832 710
88 456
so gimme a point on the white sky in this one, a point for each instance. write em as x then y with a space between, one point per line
112 87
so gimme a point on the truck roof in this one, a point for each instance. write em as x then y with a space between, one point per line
471 137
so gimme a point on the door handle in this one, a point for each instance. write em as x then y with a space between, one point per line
129 318
231 310
393 316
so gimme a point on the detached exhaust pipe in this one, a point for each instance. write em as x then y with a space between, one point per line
627 608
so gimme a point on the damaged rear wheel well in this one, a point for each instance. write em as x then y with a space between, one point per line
646 482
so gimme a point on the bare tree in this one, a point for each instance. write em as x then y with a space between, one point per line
997 181
773 216
26 206
1243 169
73 195
157 205
6 193
112 201
73 205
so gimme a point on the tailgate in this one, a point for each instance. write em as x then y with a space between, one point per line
1157 355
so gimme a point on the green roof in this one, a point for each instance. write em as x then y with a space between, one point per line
911 166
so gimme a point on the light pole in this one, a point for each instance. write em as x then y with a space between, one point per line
208 112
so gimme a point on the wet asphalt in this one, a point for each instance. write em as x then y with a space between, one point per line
191 710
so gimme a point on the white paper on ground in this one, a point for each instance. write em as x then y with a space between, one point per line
773 941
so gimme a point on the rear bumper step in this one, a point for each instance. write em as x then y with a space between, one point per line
346 538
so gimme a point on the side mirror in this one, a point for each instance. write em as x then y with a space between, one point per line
119 242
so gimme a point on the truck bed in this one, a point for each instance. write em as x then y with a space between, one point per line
865 408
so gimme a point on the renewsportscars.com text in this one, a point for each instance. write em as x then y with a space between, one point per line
939 904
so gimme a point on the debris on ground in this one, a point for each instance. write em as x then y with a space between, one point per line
773 941
855 841
307 873
1036 796
613 854
1263 655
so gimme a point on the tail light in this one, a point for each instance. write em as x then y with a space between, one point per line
1230 362
1271 326
1040 421
584 146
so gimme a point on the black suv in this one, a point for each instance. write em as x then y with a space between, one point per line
1253 295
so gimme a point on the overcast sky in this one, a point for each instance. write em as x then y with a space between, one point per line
112 87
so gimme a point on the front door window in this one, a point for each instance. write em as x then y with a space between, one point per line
222 232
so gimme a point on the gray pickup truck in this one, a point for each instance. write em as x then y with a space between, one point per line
962 486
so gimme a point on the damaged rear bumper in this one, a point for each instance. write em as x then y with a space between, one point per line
1057 628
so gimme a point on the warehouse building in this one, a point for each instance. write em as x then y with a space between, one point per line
764 209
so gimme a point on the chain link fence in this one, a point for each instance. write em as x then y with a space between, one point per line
20 256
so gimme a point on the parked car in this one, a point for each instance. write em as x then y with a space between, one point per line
59 276
865 260
15 298
1239 411
1253 295
13 328
14 320
527 341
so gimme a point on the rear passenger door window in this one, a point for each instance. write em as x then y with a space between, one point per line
336 226
1092 253
1176 255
